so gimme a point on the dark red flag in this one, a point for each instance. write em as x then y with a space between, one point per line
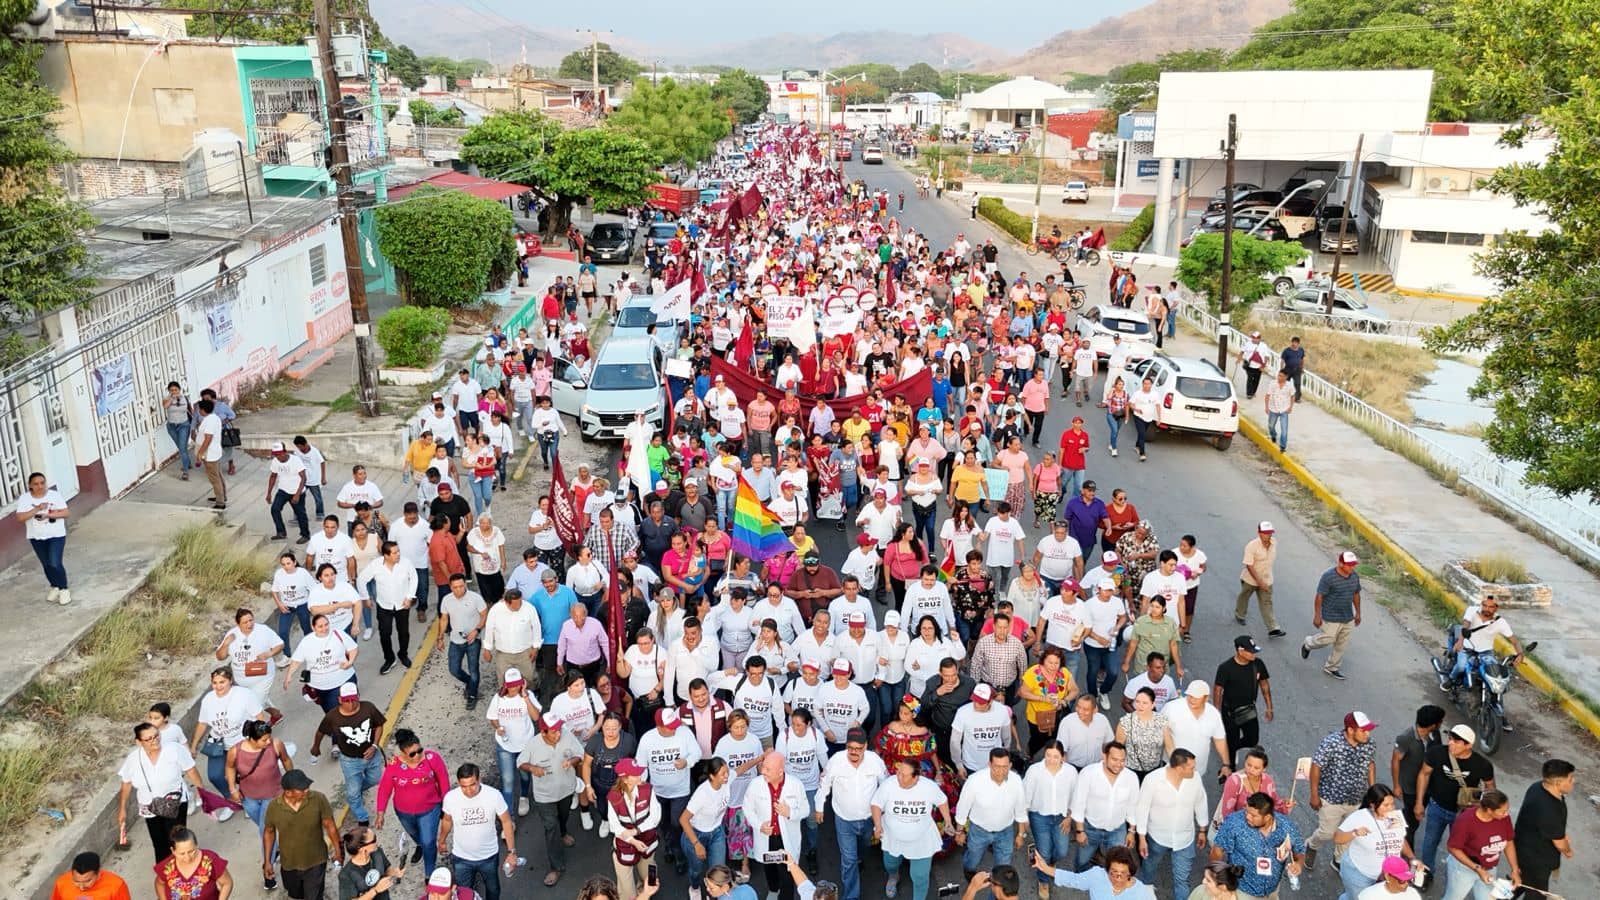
562 511
745 347
697 284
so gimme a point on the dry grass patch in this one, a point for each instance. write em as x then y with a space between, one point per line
1381 373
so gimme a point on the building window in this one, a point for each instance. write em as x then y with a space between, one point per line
1453 238
1464 240
319 264
1428 237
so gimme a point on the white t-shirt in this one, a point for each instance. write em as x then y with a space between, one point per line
1003 537
659 754
244 649
1169 587
1056 556
804 756
353 493
1384 838
212 425
546 539
341 592
1166 689
335 550
1380 891
927 601
707 806
908 817
511 714
224 717
760 703
647 669
840 710
1482 639
980 732
288 473
1143 404
578 715
472 821
322 656
1192 733
1084 361
40 526
1195 562
312 459
1062 621
961 538
159 778
1103 619
413 541
292 587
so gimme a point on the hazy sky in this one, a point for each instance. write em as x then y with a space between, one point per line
1009 25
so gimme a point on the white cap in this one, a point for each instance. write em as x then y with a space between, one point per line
1265 527
892 617
278 447
440 878
1197 688
1465 733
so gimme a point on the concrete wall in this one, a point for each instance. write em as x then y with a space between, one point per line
1437 267
99 179
122 99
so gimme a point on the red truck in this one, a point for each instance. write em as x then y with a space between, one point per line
672 198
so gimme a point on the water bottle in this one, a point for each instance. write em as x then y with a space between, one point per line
511 866
1294 882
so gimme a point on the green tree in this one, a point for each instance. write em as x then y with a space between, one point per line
1393 34
40 229
508 144
404 65
427 115
919 77
1079 81
680 123
614 67
611 169
1200 266
1539 334
448 247
227 22
743 93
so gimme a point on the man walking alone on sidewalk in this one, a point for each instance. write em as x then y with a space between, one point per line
1279 399
1336 610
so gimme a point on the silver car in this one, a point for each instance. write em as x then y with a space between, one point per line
1350 312
625 380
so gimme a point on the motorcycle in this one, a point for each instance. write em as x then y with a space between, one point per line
1481 691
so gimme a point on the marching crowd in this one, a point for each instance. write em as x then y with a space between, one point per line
998 670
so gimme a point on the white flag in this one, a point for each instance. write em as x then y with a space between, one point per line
673 306
803 332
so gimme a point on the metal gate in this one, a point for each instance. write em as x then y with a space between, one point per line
132 346
30 393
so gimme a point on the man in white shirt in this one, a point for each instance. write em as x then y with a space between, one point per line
1084 733
464 393
1166 583
286 485
1105 802
1005 545
1477 632
412 534
757 695
849 602
1171 821
981 726
467 824
359 488
1197 726
316 469
851 778
332 546
1155 678
841 707
781 610
928 596
801 693
1106 614
718 398
395 587
512 635
1084 364
208 449
1058 557
691 657
1091 579
816 642
668 752
992 814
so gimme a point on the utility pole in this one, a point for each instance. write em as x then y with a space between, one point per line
1344 217
1038 186
339 168
1225 301
594 66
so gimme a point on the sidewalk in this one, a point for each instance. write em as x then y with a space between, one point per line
1435 524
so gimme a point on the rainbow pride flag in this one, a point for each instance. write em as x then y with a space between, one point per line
947 568
756 532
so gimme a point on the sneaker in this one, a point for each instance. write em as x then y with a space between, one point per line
694 893
605 828
269 884
366 635
280 536
1305 650
64 597
1277 632
586 819
405 662
51 595
522 806
1506 726
303 539
1142 457
386 668
1334 673
1240 620
891 888
1105 702
1113 451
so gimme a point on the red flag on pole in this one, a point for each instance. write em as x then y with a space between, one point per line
562 511
697 284
615 619
888 288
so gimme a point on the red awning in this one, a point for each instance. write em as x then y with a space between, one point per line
487 188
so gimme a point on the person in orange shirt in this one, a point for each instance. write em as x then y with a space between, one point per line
85 881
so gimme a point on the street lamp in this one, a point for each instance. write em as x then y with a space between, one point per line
1311 185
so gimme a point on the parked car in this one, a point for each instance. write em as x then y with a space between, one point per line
844 151
626 379
635 318
1350 312
1331 240
1098 324
1284 282
661 233
1005 148
609 242
872 155
1268 199
1240 188
1075 192
1246 222
1195 396
980 145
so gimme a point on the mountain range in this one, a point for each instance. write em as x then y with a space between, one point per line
1145 33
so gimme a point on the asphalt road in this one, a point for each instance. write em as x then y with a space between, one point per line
1186 487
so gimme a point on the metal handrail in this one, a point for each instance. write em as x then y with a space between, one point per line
1576 524
1405 330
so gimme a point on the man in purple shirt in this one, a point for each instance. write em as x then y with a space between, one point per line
1085 514
582 645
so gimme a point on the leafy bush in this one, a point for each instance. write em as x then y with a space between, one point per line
447 245
995 210
1138 230
412 335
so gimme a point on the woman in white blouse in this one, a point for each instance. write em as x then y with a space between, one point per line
588 580
1374 832
1048 788
903 820
155 768
924 653
704 837
890 680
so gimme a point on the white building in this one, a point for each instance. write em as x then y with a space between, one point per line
1019 103
919 109
1419 208
799 95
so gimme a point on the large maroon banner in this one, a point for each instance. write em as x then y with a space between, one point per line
915 389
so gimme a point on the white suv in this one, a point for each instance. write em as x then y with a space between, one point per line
1194 396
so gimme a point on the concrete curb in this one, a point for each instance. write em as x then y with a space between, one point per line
1531 669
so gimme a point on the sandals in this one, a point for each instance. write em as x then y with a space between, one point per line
551 879
1187 639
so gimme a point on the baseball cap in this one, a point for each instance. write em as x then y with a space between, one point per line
629 766
295 780
982 693
277 447
667 718
841 667
1109 558
1464 733
1396 867
1077 420
1265 527
513 675
855 736
923 463
630 554
661 485
856 618
892 617
1349 558
879 492
1246 642
811 663
866 540
551 721
1071 584
349 691
811 559
693 481
1358 719
1255 334
1197 688
440 882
